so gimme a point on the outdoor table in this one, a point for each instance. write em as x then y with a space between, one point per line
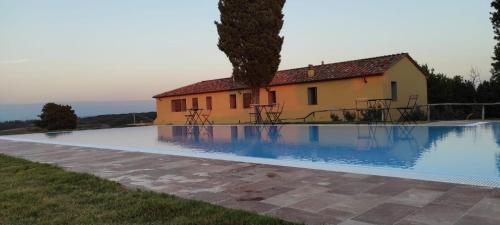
258 112
193 116
385 106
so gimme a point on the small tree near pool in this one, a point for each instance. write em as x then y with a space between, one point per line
249 34
57 117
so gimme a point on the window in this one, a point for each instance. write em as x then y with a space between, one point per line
209 102
179 105
271 97
312 95
247 100
183 105
194 103
394 90
232 101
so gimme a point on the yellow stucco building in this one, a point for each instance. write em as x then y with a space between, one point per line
301 91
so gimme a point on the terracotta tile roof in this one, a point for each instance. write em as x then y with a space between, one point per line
333 71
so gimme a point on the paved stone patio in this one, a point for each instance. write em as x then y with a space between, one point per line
299 195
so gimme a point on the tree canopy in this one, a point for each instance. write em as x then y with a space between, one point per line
495 20
489 91
457 89
57 117
441 88
249 34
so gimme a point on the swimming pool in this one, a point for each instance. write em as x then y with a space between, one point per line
458 154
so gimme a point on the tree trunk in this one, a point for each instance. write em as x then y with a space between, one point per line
256 100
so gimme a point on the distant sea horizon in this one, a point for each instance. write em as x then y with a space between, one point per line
30 111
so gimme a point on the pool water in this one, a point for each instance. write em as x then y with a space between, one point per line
459 154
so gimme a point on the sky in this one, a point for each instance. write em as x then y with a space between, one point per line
94 50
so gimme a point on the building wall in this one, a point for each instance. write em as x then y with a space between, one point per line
331 95
410 81
337 94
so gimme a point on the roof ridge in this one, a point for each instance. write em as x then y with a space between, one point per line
348 61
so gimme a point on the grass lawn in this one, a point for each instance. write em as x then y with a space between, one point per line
35 193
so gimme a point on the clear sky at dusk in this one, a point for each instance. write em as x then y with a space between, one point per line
95 50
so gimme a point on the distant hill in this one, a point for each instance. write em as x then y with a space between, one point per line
10 112
116 120
90 122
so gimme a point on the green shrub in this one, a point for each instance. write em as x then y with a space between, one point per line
371 114
349 117
334 117
418 115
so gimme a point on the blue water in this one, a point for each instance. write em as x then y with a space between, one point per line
463 154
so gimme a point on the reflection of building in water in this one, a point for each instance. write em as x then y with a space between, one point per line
399 146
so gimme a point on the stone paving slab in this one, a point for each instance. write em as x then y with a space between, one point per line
298 195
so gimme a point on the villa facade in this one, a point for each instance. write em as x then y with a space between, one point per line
301 91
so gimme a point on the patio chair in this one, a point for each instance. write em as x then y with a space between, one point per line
407 111
280 112
205 117
275 113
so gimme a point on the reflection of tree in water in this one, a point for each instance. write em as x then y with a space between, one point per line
57 134
438 133
498 161
496 135
496 132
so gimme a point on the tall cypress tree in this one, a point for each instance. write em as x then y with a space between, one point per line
249 34
490 91
495 20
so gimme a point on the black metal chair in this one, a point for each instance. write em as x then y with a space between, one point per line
275 113
407 112
205 117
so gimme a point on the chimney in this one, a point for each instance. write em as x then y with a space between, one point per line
322 62
310 71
